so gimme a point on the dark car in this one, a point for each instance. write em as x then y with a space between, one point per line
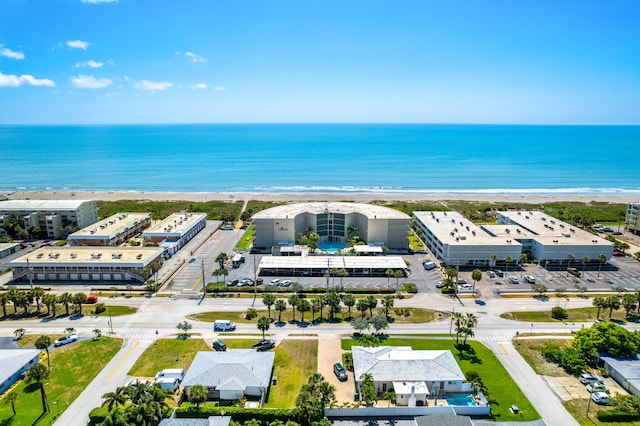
232 282
499 273
340 372
259 281
264 345
219 346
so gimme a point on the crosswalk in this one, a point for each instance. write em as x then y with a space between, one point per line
139 337
494 338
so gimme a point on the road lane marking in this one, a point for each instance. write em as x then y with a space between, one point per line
122 360
193 287
502 348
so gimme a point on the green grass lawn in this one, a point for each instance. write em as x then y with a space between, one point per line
575 315
295 361
416 316
415 243
73 367
504 392
167 353
87 310
530 351
578 409
245 242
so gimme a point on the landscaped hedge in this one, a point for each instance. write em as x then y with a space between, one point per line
617 416
98 414
238 414
410 288
316 290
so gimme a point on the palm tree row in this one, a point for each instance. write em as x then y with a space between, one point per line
24 299
464 326
140 404
331 300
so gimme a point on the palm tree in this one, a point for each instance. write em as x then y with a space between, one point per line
458 320
280 306
613 303
115 418
198 393
585 260
119 397
263 325
387 302
476 276
19 332
390 273
43 342
349 301
601 258
293 302
570 257
507 261
97 333
11 399
78 300
494 259
65 299
316 306
49 300
372 302
398 274
362 306
4 298
599 302
268 300
522 259
303 306
37 294
222 257
39 373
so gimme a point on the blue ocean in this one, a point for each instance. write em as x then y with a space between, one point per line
321 158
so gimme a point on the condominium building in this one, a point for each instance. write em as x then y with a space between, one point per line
111 231
633 218
87 264
455 240
334 222
176 230
57 218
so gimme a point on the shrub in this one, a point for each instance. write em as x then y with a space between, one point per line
410 288
347 361
617 416
99 308
238 414
98 414
552 352
559 313
251 314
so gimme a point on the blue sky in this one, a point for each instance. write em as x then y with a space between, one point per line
210 61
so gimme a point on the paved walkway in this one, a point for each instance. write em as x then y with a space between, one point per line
536 390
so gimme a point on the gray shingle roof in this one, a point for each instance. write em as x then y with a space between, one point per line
401 363
235 369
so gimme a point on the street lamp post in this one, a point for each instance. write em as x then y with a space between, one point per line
30 271
531 328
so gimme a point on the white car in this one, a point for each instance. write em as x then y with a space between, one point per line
65 340
274 281
439 284
285 283
600 398
530 279
514 280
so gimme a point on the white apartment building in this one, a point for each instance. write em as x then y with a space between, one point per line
633 218
54 217
111 231
174 231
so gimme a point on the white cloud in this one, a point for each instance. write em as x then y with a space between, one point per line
99 1
8 80
90 82
90 64
8 53
150 85
219 88
194 57
199 86
78 44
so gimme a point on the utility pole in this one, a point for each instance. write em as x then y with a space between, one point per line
204 284
30 272
110 321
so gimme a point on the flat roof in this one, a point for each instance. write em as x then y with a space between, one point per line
370 210
5 246
453 228
67 255
549 230
175 224
339 262
35 205
111 226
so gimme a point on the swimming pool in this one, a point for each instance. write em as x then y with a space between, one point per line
331 247
461 399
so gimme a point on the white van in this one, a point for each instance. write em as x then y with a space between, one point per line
465 287
169 383
223 325
171 373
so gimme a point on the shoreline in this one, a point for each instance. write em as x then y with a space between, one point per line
363 197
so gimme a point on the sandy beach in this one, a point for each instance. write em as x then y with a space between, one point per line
531 198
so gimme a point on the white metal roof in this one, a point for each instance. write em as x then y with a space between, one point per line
338 262
175 224
69 256
41 205
369 210
111 226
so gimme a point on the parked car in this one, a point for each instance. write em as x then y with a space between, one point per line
259 281
597 387
92 299
231 283
274 281
514 280
461 281
219 346
65 340
439 284
340 372
264 345
285 283
574 272
499 273
586 378
227 228
530 279
618 253
491 274
429 265
600 398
